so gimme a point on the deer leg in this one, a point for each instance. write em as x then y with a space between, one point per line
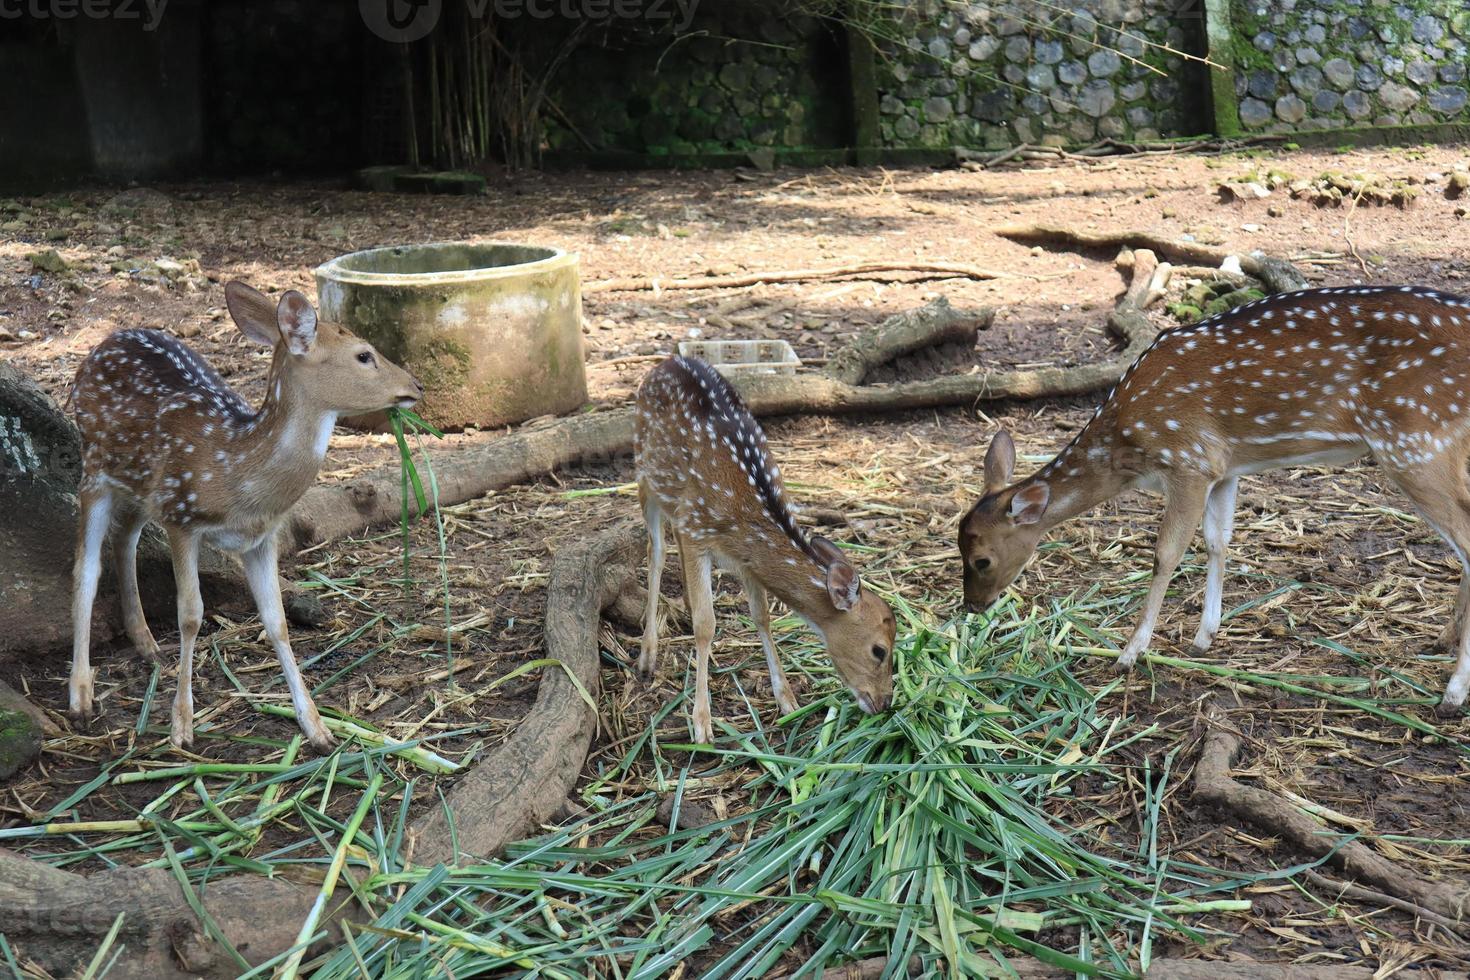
185 548
653 519
1439 491
92 523
1449 637
132 520
760 614
1182 512
1219 523
699 590
265 587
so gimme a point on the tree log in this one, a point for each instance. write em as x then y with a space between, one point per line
526 780
58 919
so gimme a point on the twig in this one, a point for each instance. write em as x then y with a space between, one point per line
1351 890
960 269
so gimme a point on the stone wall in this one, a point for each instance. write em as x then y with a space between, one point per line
1064 73
739 79
1330 64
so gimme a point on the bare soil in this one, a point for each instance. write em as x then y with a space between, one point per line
1334 549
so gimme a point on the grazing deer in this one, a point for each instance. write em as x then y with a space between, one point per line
165 439
703 466
1314 377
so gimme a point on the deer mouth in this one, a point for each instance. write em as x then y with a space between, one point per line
406 402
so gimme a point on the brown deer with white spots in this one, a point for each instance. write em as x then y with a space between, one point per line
703 467
165 439
1316 377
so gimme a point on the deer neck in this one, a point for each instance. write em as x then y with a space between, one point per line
1080 477
786 571
284 443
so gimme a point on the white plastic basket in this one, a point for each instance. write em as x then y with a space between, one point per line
739 357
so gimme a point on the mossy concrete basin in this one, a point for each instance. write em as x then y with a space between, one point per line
493 330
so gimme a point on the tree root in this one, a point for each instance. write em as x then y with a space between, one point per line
946 270
526 780
57 919
1277 275
1214 785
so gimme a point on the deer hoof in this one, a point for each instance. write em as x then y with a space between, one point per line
181 736
1446 710
787 702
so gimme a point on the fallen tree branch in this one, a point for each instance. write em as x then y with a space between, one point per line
929 326
1347 889
526 780
960 270
57 919
1214 785
1278 275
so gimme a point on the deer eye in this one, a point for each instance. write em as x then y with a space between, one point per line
365 357
980 564
879 653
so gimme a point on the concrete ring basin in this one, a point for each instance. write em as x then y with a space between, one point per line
493 330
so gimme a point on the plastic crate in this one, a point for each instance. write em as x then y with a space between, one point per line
741 357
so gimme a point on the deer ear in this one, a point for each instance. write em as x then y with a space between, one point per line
843 585
253 313
1000 461
297 321
826 550
1029 503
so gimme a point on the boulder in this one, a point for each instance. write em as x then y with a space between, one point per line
40 466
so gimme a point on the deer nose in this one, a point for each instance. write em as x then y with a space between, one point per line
884 703
974 607
417 384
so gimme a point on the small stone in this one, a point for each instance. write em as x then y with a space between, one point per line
1368 78
1276 211
889 105
1254 112
1459 183
1326 101
48 260
1454 71
994 106
305 609
906 127
1250 227
1040 78
20 741
1140 116
1104 63
1133 91
1420 72
1291 109
1315 34
1018 49
1264 41
1308 56
1339 73
939 48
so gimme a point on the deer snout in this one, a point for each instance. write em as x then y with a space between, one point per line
410 396
874 704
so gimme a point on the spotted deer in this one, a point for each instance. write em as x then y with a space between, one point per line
1316 377
165 439
703 466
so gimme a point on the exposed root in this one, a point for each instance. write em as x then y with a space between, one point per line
1277 275
866 269
1213 784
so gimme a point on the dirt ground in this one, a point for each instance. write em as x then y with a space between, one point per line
1334 549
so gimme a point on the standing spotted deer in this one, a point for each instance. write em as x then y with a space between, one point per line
1307 378
165 439
703 466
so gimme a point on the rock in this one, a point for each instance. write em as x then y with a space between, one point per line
1291 109
1368 78
1307 81
1315 34
984 48
40 466
889 105
48 260
20 741
1049 52
1339 73
1264 84
1308 56
1326 101
1096 98
1447 99
1426 29
938 109
906 128
1040 78
1103 63
136 201
1458 184
1072 72
1358 105
1397 97
994 106
1264 41
1140 116
305 609
1420 72
1452 72
1254 113
1133 91
1018 49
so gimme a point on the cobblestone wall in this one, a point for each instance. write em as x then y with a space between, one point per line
1329 64
1064 72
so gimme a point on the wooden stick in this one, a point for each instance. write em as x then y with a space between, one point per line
951 269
